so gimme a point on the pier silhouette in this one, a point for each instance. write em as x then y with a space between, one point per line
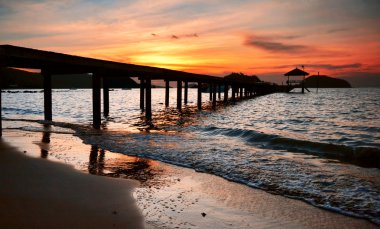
58 64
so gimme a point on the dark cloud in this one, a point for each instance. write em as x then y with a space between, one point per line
182 36
277 44
289 37
273 46
153 34
325 66
336 67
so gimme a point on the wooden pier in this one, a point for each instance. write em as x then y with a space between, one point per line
51 63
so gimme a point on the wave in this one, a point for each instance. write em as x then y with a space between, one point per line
339 192
23 111
362 156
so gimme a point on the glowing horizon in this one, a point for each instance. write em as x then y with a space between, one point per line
265 38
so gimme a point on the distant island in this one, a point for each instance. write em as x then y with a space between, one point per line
324 81
20 79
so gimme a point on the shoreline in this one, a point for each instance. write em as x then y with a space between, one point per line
172 196
36 193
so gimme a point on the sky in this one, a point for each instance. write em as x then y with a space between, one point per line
339 38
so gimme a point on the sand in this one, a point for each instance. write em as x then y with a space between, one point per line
167 196
37 193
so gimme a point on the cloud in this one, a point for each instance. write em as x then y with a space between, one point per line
316 66
325 66
336 67
182 36
274 46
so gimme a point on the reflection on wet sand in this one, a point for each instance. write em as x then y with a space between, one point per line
45 140
128 167
96 163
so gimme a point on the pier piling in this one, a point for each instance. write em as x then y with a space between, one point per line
167 93
106 97
214 96
225 98
47 95
179 95
219 91
142 93
210 87
96 113
199 102
186 92
233 93
148 97
1 108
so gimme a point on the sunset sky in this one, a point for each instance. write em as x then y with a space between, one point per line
340 38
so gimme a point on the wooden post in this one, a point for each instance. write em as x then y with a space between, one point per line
96 113
186 92
288 82
214 96
167 93
148 97
199 96
106 97
225 93
47 95
317 82
303 85
233 93
179 95
1 108
142 93
219 91
210 86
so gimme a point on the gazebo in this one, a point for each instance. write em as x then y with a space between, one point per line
296 83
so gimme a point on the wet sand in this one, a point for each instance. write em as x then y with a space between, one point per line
168 196
36 193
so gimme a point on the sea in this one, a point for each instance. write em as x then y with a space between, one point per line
320 147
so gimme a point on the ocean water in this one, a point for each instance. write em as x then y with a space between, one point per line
323 148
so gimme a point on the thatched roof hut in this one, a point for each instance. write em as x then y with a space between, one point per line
296 72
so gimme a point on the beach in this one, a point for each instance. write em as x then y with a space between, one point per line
37 193
41 189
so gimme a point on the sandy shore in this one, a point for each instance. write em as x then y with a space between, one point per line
37 193
167 196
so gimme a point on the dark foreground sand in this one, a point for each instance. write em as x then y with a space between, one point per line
41 194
